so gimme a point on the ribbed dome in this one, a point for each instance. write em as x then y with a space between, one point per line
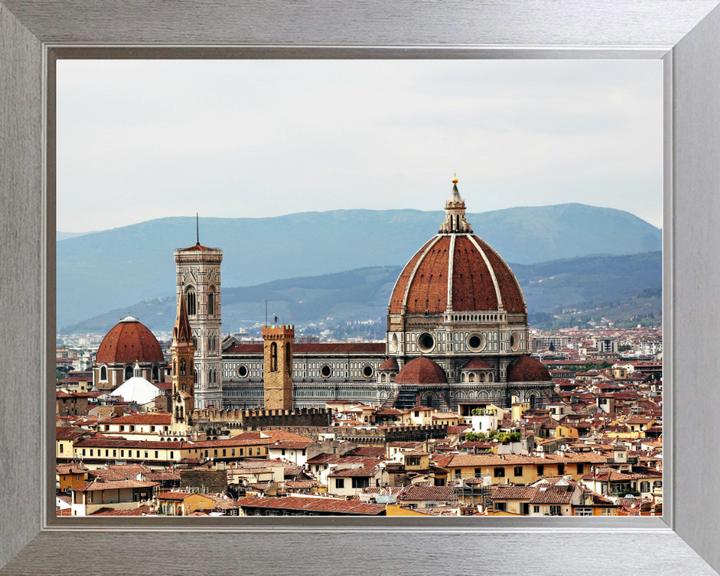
481 280
527 369
477 364
128 341
421 370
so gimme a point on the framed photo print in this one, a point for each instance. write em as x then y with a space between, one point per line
310 290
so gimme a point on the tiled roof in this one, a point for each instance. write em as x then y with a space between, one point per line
421 370
429 493
199 248
390 364
352 473
477 364
315 348
425 279
506 492
97 485
127 342
325 505
157 418
68 432
174 495
288 445
527 369
139 511
372 451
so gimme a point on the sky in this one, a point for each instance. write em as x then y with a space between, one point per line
145 139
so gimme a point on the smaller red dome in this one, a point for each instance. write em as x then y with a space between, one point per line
421 370
389 364
527 369
477 364
129 341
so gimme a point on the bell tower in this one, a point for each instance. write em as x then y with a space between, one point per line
278 369
182 352
198 281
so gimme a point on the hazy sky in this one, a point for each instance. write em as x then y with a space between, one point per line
138 140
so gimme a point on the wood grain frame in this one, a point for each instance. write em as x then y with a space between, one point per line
35 33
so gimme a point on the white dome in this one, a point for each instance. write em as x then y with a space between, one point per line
137 389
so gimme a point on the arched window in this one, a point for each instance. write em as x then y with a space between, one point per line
273 357
195 378
103 373
191 302
128 372
155 373
211 301
174 368
182 367
195 341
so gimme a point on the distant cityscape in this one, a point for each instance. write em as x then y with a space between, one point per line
451 405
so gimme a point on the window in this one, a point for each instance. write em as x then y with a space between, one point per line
360 482
146 454
609 512
500 506
581 468
541 470
191 303
339 483
103 373
241 451
91 451
182 367
172 454
223 451
156 453
555 511
128 372
122 453
536 509
77 477
644 486
273 357
215 454
583 512
499 472
211 302
561 469
518 471
233 452
61 448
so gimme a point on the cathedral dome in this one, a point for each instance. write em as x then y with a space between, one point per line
527 369
421 370
456 271
129 341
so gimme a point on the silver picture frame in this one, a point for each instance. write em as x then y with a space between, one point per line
685 34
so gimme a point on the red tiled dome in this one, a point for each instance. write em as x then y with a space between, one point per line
421 370
423 283
127 341
477 364
527 369
389 364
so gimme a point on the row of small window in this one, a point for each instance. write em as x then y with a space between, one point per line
128 373
554 510
191 298
499 472
241 452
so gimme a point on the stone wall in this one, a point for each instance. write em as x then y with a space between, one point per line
212 481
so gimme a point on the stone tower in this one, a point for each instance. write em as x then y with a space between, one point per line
198 280
278 369
182 352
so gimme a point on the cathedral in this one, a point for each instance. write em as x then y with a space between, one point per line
457 333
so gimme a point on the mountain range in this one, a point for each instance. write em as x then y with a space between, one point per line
625 285
117 268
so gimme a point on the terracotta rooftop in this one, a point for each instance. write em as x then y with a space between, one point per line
128 341
390 364
527 369
421 370
323 505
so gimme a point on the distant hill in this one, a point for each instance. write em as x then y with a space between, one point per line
622 288
116 268
65 235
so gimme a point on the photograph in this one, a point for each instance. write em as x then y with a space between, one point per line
359 287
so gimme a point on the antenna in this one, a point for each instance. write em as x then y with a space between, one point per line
197 227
